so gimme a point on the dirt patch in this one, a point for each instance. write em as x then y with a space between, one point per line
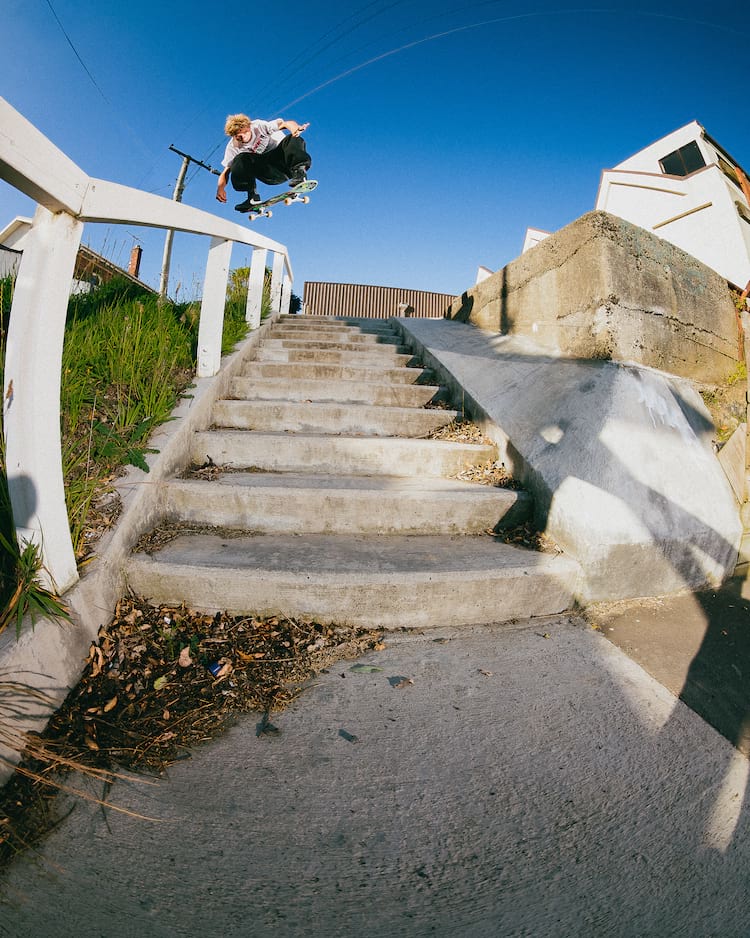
210 471
529 536
154 540
493 473
159 681
459 431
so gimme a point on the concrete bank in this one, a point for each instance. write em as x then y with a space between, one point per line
533 782
618 457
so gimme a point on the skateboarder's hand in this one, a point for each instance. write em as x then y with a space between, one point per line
293 127
221 192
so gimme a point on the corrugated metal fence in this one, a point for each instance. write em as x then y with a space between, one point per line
356 299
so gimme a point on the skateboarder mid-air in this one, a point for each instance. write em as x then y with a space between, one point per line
260 150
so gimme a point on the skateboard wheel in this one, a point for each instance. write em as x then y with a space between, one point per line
268 214
288 201
305 199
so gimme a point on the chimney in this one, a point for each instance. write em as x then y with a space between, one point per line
135 260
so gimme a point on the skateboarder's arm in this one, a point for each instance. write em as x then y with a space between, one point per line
293 127
221 186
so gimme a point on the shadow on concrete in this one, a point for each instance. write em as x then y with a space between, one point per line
717 685
698 646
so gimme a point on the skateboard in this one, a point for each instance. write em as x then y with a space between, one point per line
295 194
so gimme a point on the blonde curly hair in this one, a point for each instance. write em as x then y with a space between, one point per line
236 123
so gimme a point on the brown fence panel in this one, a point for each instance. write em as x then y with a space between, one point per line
356 299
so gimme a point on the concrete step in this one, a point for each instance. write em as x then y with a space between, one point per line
380 356
311 389
295 371
351 455
385 582
363 323
337 344
315 417
345 334
310 503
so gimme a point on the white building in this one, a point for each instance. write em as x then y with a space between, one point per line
686 189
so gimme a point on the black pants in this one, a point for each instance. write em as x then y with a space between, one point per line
272 167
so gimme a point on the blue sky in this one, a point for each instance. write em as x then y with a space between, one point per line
493 116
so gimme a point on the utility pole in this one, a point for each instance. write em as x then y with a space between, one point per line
177 197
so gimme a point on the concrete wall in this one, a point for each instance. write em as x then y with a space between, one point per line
602 288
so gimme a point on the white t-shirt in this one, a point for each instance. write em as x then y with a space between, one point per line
266 136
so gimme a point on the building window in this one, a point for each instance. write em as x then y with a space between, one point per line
684 161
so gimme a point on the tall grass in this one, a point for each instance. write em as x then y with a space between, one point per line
127 358
123 368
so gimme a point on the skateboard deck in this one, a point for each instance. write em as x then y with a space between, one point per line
295 194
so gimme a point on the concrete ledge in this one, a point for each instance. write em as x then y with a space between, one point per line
603 288
50 657
618 457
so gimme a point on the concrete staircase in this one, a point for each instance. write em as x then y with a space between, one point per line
334 505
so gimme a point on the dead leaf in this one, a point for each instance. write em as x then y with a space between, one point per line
97 660
404 682
485 673
185 660
110 704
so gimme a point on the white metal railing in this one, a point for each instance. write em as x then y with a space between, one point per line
67 198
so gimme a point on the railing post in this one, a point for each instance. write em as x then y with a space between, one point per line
286 296
212 307
255 284
31 401
277 272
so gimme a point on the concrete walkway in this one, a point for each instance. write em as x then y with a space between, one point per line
532 781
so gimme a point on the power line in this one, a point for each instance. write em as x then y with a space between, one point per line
76 53
500 19
310 53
